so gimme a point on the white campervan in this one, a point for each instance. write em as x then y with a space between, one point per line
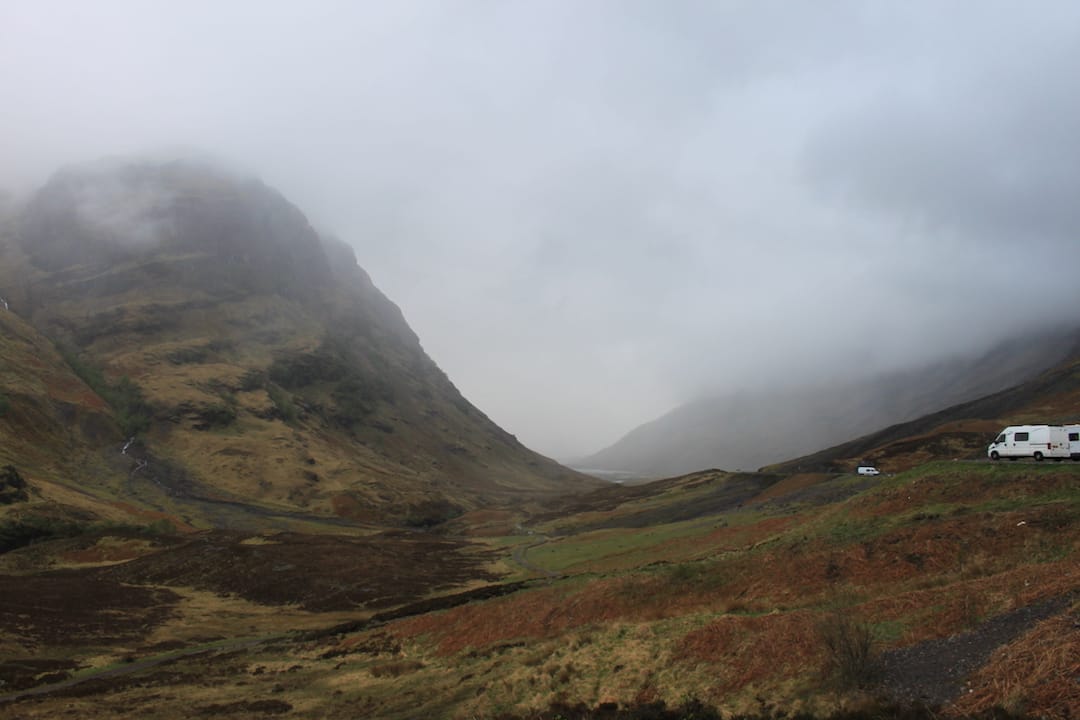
1033 441
1073 432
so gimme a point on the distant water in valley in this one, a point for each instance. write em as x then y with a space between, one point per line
615 476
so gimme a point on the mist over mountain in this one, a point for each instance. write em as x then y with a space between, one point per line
302 303
748 430
619 207
256 358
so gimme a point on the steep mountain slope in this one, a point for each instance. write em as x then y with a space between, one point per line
51 426
255 360
752 429
959 432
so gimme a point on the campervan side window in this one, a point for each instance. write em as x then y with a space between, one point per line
1074 437
1000 438
1021 437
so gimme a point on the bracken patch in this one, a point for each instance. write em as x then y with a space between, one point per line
1034 676
750 650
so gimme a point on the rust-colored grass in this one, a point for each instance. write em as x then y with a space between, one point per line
488 523
1035 676
152 515
947 571
752 650
953 607
746 536
108 550
541 613
789 485
970 489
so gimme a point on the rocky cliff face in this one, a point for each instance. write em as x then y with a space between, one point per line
249 351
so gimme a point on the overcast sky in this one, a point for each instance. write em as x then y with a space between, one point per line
592 211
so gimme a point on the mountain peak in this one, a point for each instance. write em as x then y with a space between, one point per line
103 214
270 367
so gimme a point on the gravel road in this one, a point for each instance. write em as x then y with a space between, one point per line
933 672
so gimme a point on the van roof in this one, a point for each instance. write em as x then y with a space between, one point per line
1029 427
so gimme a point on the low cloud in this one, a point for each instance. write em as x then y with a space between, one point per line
131 215
591 213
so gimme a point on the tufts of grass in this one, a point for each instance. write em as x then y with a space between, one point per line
133 412
850 649
888 631
697 576
336 368
614 549
15 534
22 532
396 668
854 530
253 380
188 355
218 415
284 404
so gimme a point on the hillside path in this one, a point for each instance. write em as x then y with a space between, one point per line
521 559
933 672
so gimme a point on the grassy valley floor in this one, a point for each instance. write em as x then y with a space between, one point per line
952 586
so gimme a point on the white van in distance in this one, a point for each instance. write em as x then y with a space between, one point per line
868 470
1074 440
1034 441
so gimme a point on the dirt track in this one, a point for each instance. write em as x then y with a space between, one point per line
932 673
520 557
